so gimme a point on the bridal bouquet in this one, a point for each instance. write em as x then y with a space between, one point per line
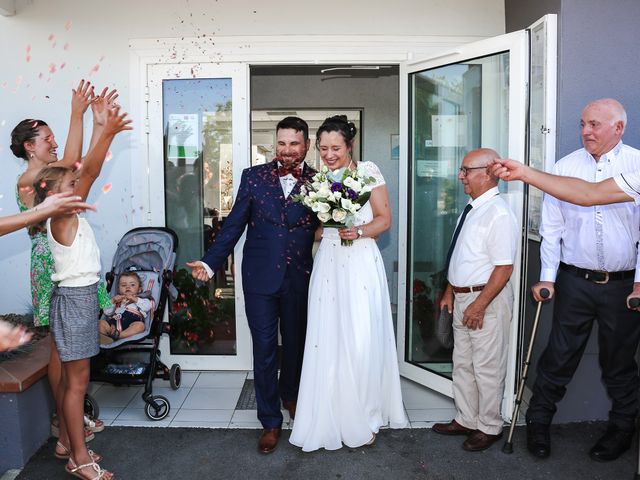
335 197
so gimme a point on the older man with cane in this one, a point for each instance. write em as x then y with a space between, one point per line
599 273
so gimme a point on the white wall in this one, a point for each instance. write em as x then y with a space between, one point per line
75 36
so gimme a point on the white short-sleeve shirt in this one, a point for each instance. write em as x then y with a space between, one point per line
629 183
489 238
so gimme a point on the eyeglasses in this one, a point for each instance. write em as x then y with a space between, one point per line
465 170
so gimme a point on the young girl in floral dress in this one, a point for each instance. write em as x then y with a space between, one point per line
33 141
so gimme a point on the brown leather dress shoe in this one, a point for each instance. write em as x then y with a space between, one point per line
290 406
479 441
451 428
268 440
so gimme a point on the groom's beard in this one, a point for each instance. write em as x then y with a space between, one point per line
290 161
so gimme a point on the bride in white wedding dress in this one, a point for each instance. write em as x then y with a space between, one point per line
350 385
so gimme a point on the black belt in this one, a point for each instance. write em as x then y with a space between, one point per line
597 276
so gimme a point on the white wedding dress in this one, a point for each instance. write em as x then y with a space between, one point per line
350 385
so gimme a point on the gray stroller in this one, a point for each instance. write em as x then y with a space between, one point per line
150 252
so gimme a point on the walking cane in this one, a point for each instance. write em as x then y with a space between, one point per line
633 304
508 444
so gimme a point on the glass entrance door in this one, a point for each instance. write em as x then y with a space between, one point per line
196 127
475 97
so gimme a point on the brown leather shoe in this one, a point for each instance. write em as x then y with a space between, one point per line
479 441
451 428
268 440
290 406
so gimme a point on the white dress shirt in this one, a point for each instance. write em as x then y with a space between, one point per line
287 182
489 237
602 237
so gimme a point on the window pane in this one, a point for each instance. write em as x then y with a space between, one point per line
198 197
455 108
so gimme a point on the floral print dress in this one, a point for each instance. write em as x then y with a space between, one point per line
42 267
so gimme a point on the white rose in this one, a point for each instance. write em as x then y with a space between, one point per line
316 185
324 216
339 215
353 184
324 191
308 202
321 207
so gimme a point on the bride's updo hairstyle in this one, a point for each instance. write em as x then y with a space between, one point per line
338 123
25 131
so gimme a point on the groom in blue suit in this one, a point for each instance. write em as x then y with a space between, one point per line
276 268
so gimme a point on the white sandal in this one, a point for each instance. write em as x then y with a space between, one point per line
96 457
75 470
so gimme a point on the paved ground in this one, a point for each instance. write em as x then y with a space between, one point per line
190 453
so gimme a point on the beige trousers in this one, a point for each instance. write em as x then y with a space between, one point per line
480 362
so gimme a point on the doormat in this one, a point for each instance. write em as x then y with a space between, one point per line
247 400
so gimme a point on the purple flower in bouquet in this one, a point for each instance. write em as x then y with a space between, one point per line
336 187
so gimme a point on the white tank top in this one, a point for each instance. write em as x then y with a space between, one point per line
77 265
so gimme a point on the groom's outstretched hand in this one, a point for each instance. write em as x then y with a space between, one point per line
198 271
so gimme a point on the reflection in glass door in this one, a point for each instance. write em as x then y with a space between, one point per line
198 197
454 109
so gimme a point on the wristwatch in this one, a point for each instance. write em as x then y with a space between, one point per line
359 232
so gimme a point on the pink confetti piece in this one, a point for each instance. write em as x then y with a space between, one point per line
35 125
101 58
28 58
77 166
62 65
66 46
52 37
52 68
67 25
40 75
28 48
109 156
95 69
106 188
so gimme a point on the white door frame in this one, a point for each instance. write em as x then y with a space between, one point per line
516 43
237 72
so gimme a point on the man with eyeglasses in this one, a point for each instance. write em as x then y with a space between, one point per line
479 264
589 256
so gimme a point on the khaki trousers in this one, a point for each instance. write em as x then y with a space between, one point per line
480 362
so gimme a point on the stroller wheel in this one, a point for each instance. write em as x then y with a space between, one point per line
158 408
175 376
91 407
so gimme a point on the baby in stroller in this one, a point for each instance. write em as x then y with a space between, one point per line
126 316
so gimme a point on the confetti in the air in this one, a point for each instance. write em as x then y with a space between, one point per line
109 156
95 69
67 25
52 37
106 188
66 46
62 65
52 68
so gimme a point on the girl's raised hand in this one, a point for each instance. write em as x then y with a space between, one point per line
102 103
116 122
82 97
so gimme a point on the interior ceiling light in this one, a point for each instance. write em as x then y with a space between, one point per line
355 67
